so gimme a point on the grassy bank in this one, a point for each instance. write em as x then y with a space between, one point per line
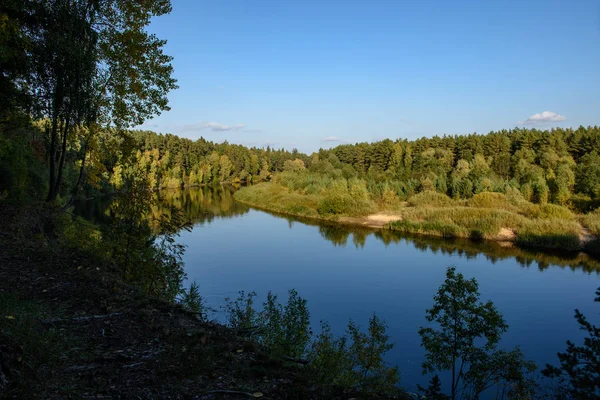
490 216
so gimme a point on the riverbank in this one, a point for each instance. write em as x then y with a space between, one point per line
70 328
487 216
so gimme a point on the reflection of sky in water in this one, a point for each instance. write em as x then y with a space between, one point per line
250 250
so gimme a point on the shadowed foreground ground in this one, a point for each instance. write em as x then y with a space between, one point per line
70 329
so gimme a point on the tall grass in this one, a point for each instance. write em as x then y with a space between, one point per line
464 222
592 222
551 234
430 199
310 195
486 215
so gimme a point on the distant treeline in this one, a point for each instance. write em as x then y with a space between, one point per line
549 165
544 165
561 166
172 161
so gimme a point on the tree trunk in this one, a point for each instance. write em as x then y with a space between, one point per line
63 155
80 175
52 157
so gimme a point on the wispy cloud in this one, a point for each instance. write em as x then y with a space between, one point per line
213 126
543 118
331 139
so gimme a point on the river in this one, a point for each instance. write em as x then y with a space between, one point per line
347 272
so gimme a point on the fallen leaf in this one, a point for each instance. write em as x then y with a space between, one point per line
257 394
10 317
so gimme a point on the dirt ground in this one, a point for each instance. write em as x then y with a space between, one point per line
115 342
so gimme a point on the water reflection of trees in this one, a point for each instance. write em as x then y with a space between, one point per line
200 205
340 235
204 205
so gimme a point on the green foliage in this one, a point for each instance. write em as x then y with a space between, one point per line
550 234
490 200
588 174
193 301
329 359
579 371
143 247
466 222
336 204
430 199
553 211
366 356
592 222
22 171
285 329
464 341
240 313
354 361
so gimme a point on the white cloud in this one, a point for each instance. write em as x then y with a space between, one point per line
543 118
213 126
332 139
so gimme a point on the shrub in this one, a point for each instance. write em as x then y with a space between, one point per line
335 204
567 242
553 211
356 362
193 301
490 200
285 330
430 199
240 314
583 203
592 222
550 234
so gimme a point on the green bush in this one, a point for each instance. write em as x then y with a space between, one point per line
23 173
567 242
335 204
354 363
285 329
490 200
550 234
592 222
553 211
430 199
240 313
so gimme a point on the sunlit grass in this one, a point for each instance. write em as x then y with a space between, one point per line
493 216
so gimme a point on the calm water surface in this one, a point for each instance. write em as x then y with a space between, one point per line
350 273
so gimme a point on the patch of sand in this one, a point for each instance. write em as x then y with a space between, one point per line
585 236
506 235
382 218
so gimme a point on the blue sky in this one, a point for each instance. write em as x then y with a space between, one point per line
317 73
